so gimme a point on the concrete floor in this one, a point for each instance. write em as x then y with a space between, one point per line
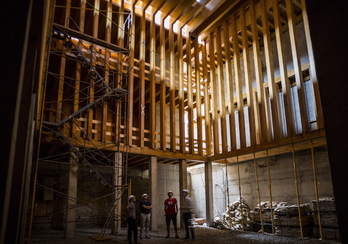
204 235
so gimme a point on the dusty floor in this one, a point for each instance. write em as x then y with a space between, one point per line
204 235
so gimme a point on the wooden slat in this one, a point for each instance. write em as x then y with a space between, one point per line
221 91
272 86
213 95
283 70
297 66
189 96
198 97
130 82
206 79
238 81
247 78
152 83
142 46
108 24
261 124
172 114
181 93
163 119
229 85
119 66
312 69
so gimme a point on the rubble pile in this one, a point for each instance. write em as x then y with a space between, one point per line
237 216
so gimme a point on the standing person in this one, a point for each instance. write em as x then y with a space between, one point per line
145 215
132 220
186 210
170 211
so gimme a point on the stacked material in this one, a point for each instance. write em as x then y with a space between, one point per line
288 220
236 217
264 209
326 210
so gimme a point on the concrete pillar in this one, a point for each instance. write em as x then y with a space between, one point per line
153 175
182 183
209 203
116 197
182 174
72 196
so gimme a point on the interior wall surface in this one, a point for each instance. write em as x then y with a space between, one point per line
282 181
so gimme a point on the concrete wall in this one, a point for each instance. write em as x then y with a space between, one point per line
282 181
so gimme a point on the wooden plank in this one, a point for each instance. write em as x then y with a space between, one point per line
238 81
198 97
247 78
229 85
221 91
130 82
216 143
163 122
142 46
283 71
297 66
181 93
312 69
119 78
108 24
261 124
206 80
272 86
189 96
172 114
152 83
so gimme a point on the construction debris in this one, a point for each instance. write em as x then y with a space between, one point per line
237 216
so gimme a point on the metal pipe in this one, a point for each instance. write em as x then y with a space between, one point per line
297 189
258 192
227 188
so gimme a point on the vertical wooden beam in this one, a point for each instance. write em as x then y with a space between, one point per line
59 115
214 111
153 83
172 123
238 81
229 85
182 174
191 138
198 97
221 90
206 81
247 78
261 107
108 26
297 66
163 107
130 82
117 182
181 94
283 71
119 77
312 68
142 47
272 86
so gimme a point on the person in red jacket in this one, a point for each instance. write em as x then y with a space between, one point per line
171 211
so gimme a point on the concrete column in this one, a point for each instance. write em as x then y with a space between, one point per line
72 196
153 175
116 198
182 174
182 183
209 203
